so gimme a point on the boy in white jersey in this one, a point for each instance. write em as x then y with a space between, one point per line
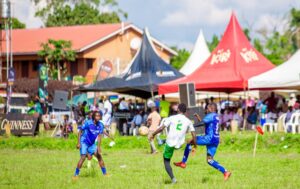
178 126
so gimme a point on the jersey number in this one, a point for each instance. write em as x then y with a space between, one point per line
178 127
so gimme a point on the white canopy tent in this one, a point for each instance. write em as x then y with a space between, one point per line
199 54
284 76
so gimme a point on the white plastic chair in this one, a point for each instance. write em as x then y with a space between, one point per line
272 127
294 123
281 121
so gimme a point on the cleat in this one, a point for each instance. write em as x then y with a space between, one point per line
180 164
227 174
107 175
174 181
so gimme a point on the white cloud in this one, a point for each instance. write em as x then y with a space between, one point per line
24 10
180 44
191 12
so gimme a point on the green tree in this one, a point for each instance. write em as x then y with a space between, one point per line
295 27
79 12
16 24
279 48
247 33
178 61
57 53
214 43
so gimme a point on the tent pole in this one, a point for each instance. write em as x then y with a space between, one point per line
246 111
72 114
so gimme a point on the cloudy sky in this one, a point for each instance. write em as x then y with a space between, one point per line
177 22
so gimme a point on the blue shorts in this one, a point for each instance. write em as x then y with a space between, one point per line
85 148
210 148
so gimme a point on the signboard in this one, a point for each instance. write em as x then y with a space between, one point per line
11 76
20 124
105 69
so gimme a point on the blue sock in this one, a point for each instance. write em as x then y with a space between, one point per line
103 169
216 165
77 172
187 151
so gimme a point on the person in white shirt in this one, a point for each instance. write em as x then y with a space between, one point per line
107 113
123 105
178 126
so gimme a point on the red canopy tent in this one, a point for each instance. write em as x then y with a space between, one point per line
229 66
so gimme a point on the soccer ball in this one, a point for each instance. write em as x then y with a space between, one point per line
143 130
111 144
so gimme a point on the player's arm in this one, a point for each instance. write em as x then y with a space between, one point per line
198 117
165 123
78 139
194 139
106 133
99 139
159 130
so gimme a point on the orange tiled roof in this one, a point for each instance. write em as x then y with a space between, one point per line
28 41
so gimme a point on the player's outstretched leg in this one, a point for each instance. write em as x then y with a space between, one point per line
201 140
79 165
219 167
168 153
101 163
186 153
169 170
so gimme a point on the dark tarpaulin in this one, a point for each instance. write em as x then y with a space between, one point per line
146 72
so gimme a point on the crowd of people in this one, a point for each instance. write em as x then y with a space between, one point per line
253 110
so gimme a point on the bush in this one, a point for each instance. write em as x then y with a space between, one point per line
30 86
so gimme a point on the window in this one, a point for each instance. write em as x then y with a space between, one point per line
89 63
25 69
35 66
74 68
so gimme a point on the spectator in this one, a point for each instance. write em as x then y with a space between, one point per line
84 108
226 119
237 116
298 99
123 106
271 102
153 121
249 102
164 107
252 118
292 100
101 105
136 121
107 113
67 126
284 106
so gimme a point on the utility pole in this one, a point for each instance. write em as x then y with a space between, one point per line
7 22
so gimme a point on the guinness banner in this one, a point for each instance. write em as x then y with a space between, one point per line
20 124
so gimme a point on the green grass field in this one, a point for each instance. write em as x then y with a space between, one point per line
42 162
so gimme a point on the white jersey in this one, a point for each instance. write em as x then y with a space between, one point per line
178 126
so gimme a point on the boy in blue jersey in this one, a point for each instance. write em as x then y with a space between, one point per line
210 140
90 132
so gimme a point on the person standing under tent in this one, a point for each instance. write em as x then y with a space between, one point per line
153 121
107 113
164 111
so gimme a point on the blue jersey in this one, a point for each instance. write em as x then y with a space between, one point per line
91 131
211 121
